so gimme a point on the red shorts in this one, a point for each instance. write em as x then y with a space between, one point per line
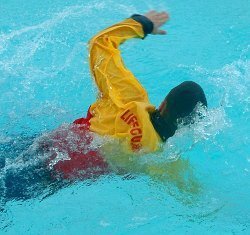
81 160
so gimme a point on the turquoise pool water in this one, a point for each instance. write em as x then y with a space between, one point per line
45 82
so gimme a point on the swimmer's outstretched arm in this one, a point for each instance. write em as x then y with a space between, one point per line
179 174
113 79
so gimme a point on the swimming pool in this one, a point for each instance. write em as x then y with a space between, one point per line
45 81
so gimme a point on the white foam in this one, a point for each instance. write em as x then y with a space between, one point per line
47 25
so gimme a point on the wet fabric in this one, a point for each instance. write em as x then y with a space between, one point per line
82 159
122 109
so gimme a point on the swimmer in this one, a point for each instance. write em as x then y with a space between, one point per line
123 110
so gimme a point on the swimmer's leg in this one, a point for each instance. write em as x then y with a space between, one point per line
26 183
23 172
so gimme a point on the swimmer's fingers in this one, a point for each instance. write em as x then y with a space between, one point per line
158 19
161 32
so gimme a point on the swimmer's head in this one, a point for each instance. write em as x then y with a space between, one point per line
178 104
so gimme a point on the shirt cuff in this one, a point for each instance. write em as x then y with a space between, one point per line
146 23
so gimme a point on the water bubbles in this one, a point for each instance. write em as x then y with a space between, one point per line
60 156
4 138
233 79
209 124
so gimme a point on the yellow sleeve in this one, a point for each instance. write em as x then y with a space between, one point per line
113 79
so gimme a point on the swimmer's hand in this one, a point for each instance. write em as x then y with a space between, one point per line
158 19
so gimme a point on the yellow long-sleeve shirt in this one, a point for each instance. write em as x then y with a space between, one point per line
122 109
